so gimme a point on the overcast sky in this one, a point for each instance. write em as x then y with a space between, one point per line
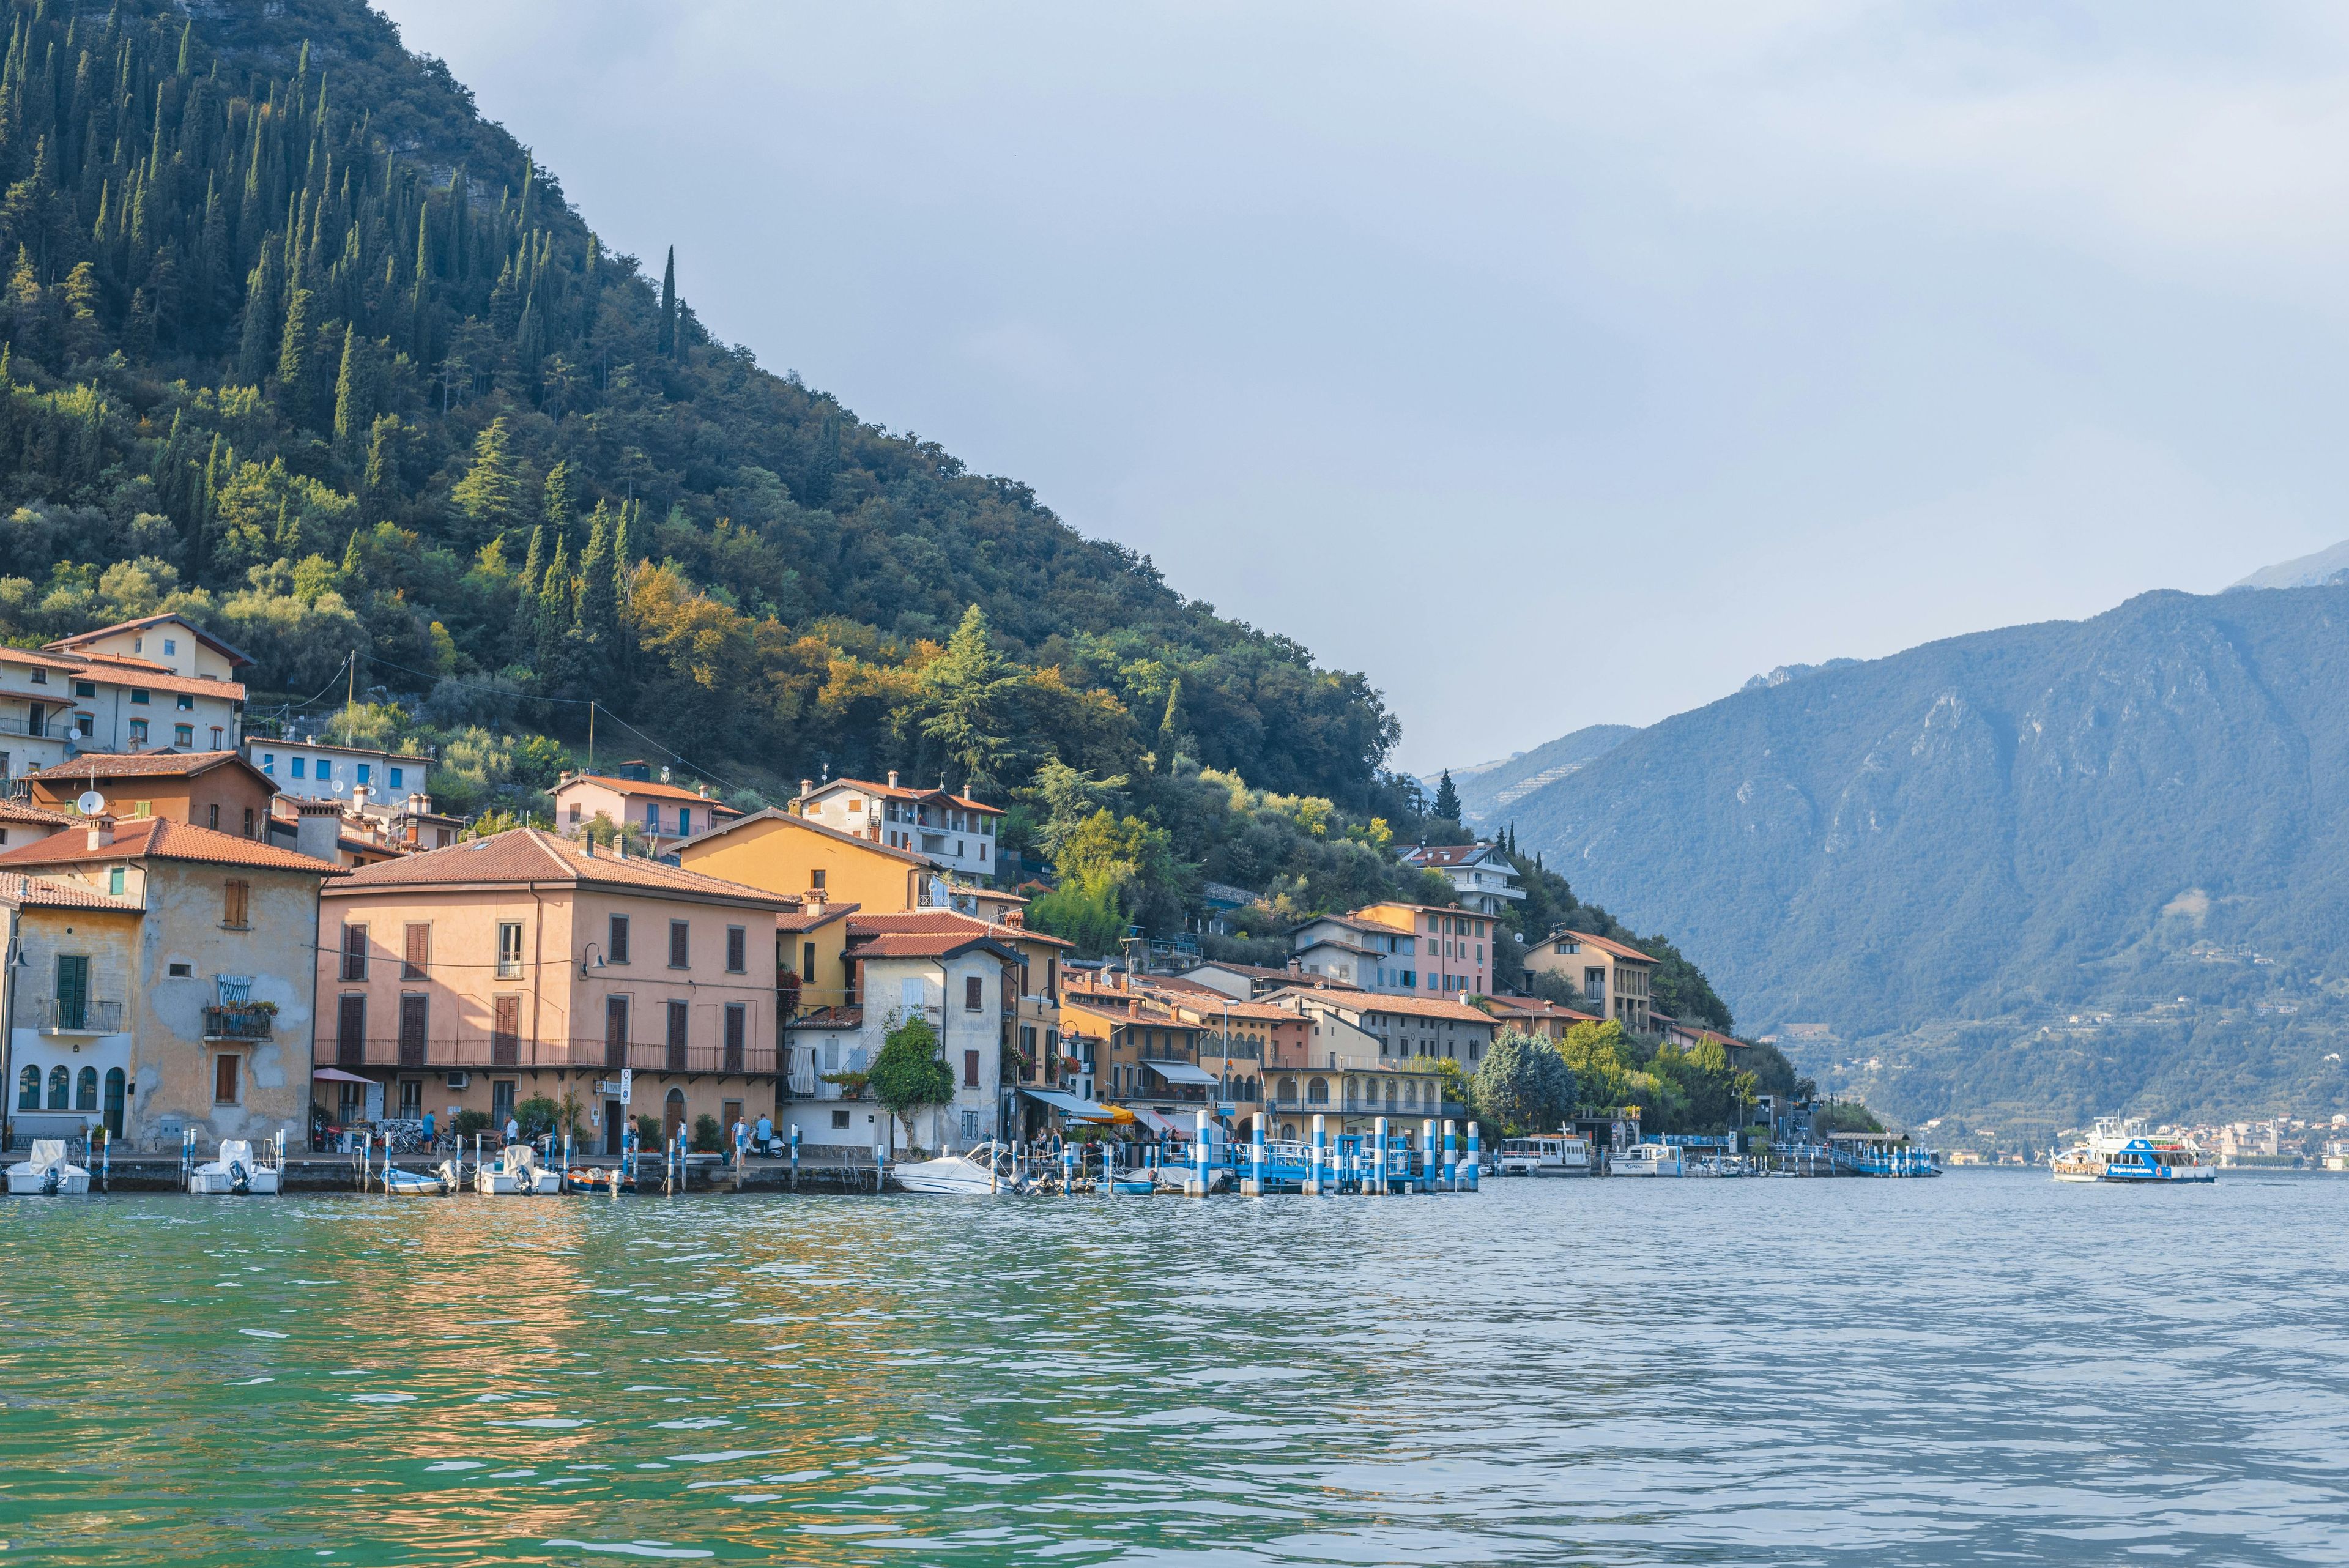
1554 365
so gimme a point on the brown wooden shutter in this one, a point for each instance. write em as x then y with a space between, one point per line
415 1015
679 1015
505 1030
235 904
616 1032
351 1032
417 952
737 1025
970 1069
973 994
738 957
619 942
680 944
355 950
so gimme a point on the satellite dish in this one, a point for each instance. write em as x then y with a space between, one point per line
339 786
90 803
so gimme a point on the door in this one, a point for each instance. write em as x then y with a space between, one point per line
672 1116
113 1113
73 990
505 1030
612 1129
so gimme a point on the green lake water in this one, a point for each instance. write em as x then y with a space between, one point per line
1988 1367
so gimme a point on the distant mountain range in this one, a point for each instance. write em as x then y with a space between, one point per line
2015 877
2305 572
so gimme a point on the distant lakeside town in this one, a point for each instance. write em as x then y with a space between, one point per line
225 936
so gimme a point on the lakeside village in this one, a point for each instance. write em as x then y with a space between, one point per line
277 949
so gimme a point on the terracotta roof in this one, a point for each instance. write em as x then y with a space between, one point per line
527 854
650 788
16 811
48 893
1256 971
801 920
897 792
922 944
235 655
829 1018
37 657
1447 854
110 670
156 764
1428 1007
1603 945
770 813
1532 1007
156 838
946 920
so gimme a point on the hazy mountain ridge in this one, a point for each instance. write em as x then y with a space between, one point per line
1946 851
1487 789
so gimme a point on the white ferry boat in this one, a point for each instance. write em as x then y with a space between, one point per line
1555 1155
2119 1150
1649 1159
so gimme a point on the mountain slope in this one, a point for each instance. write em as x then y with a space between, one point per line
1944 853
301 345
1488 790
2302 571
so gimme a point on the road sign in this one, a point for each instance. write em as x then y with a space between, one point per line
627 1077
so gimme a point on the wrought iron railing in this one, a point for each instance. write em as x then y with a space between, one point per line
78 1015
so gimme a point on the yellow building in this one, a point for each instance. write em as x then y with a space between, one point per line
798 859
1613 979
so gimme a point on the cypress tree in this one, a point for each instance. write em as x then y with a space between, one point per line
554 616
349 412
559 506
597 621
667 344
1447 799
1170 728
823 462
534 563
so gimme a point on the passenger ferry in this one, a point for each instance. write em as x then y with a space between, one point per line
2118 1149
1557 1155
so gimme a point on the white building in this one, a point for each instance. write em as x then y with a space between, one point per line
1483 875
312 769
1358 952
956 831
158 681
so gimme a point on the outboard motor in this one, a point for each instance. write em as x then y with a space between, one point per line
51 1179
447 1174
240 1180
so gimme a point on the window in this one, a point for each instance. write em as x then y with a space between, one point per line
501 1103
59 1086
86 726
684 821
28 1089
839 1118
815 879
414 1019
509 949
326 770
297 766
142 808
738 1034
652 817
187 702
269 764
183 734
86 1089
574 814
399 779
680 944
350 1028
416 950
970 1069
365 772
678 1014
236 905
738 954
183 971
616 939
140 699
137 731
213 820
115 876
248 822
85 688
224 1078
411 1099
505 1029
807 962
355 952
40 676
616 1032
171 646
973 994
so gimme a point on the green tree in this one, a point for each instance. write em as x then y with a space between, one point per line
490 494
1086 911
1447 799
908 1076
1524 1085
970 697
1070 798
561 502
666 341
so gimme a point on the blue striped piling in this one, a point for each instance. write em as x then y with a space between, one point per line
1427 1154
795 1157
105 1159
1318 1183
1451 1156
1255 1185
1474 1168
1199 1155
1378 1172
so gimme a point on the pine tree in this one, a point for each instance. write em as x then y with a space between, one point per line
667 344
534 563
598 618
561 504
553 616
1447 799
823 462
972 695
350 411
490 494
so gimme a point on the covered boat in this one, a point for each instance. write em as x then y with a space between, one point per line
435 1183
984 1170
48 1173
516 1172
234 1172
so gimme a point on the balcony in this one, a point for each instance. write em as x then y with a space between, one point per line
55 728
77 1015
491 1052
238 1022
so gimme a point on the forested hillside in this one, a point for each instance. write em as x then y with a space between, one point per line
2029 873
299 345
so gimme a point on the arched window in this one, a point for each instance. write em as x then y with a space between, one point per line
1391 1091
1317 1091
1410 1093
1289 1088
673 1116
114 1087
1288 1131
86 1090
28 1090
60 1086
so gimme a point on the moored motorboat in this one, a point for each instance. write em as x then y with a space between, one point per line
1554 1154
47 1173
1650 1159
234 1172
984 1170
515 1172
435 1183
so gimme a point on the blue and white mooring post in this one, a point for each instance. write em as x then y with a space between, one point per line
1323 1172
1427 1154
795 1157
629 1154
1068 1167
1379 1162
1451 1155
1475 1165
1256 1155
1199 1156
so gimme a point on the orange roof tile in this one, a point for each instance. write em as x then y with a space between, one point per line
157 765
649 789
199 633
48 893
770 813
528 855
1604 945
1410 1006
898 792
944 920
158 839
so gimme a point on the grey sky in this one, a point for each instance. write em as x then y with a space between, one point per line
1553 365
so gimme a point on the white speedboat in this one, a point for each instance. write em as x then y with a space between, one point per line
236 1171
1555 1155
48 1173
515 1172
437 1183
982 1171
1650 1159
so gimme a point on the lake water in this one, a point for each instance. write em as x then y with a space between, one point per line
1988 1367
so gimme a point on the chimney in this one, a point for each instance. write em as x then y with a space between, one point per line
317 825
359 799
587 845
892 778
701 788
812 901
102 832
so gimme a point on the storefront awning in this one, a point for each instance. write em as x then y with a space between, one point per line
1069 1106
1183 1073
336 1076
